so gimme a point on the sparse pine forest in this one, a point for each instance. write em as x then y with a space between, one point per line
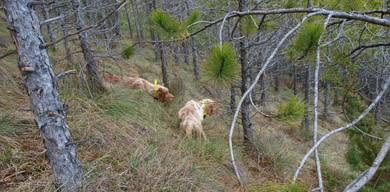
301 87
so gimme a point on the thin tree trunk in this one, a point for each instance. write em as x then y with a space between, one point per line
327 100
175 52
91 16
95 83
195 59
263 98
295 80
52 36
186 53
164 66
103 27
246 121
232 98
129 21
276 79
115 22
42 88
135 23
306 121
194 54
140 25
65 32
152 35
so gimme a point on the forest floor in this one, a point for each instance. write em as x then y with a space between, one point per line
127 141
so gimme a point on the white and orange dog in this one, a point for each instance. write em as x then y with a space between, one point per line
157 91
192 115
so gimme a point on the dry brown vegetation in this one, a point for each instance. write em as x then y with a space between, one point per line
129 142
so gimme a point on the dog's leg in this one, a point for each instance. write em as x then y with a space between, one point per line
189 132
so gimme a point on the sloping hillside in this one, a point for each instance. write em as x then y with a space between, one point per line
127 141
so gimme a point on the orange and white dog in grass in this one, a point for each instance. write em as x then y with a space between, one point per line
157 91
192 115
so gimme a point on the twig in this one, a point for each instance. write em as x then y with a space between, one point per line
363 47
63 74
8 54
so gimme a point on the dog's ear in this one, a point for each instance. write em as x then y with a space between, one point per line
212 108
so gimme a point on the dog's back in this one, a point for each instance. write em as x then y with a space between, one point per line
191 121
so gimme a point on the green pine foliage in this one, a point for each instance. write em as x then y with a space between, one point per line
248 27
192 18
128 52
221 66
363 149
306 42
165 24
291 110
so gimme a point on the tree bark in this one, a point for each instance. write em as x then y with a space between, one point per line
135 23
186 53
306 121
129 21
95 83
140 25
164 66
263 98
295 80
276 79
194 53
327 100
42 87
246 121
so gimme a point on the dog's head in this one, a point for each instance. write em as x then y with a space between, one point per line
211 107
163 94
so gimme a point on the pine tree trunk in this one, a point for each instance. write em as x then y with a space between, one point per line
136 24
186 53
91 16
164 66
153 6
295 80
103 26
42 88
95 83
140 25
52 36
276 79
65 32
246 121
327 100
129 21
194 54
175 52
306 121
232 98
115 22
263 98
195 59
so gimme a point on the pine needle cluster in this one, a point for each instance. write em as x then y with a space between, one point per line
128 52
221 66
169 27
306 42
291 110
166 25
